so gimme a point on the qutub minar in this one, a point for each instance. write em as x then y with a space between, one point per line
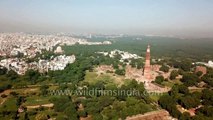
147 67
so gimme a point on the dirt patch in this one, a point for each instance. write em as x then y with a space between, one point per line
155 115
37 106
6 92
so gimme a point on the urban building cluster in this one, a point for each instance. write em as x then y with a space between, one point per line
13 44
20 66
16 47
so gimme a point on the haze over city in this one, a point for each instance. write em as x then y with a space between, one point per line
191 18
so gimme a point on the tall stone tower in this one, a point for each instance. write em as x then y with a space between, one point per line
147 67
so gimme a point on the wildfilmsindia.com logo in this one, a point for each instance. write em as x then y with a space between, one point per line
100 92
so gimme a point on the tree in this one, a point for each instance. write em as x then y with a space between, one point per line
185 116
82 113
208 78
44 89
120 71
177 91
97 117
163 101
60 104
170 106
206 110
132 84
181 72
105 101
63 86
159 79
196 95
138 63
173 74
12 75
200 117
71 112
20 100
20 55
99 85
26 116
164 68
183 89
131 101
3 70
74 72
64 104
189 102
5 87
32 75
207 96
174 91
190 79
185 65
199 73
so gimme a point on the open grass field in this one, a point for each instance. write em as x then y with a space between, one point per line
156 96
91 77
170 83
108 78
36 100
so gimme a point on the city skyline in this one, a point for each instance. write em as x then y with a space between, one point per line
148 17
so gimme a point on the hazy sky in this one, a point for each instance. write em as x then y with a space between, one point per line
162 17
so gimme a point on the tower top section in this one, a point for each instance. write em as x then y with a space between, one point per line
148 48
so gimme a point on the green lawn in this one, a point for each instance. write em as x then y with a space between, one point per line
156 97
170 83
177 81
53 87
92 78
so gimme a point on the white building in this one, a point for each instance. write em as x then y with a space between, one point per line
58 50
60 62
209 64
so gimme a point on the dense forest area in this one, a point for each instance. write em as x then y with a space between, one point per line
199 49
